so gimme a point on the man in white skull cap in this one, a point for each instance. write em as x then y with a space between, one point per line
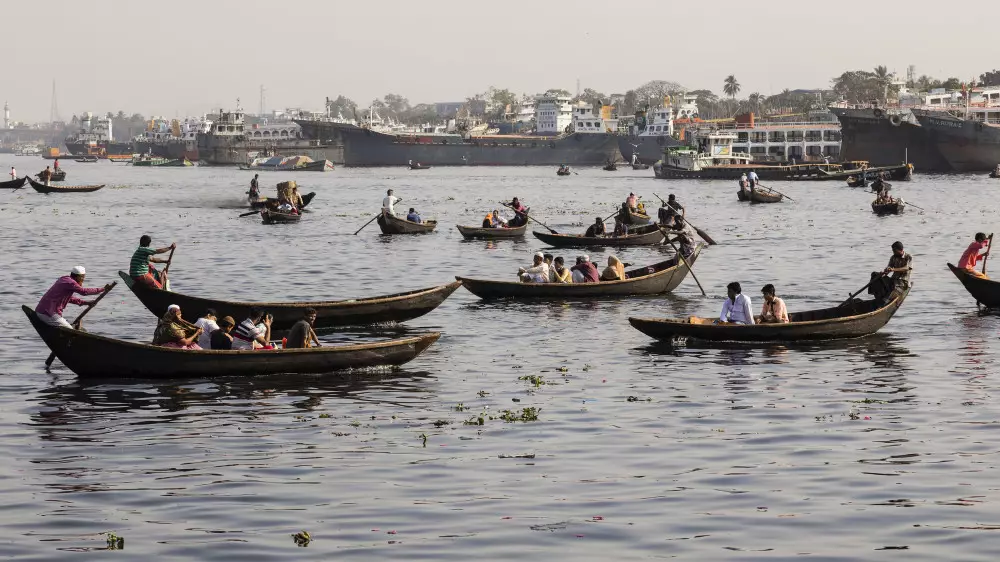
50 308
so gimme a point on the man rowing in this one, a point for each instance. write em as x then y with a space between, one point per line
13 173
672 207
737 308
684 237
389 203
254 189
50 307
520 213
45 175
971 256
632 202
139 267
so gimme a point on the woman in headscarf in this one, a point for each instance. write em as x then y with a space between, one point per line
615 270
174 331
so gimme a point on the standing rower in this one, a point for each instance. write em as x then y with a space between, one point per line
13 173
389 202
254 189
54 301
971 256
140 269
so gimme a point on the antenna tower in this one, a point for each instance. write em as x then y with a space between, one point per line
54 109
263 98
577 87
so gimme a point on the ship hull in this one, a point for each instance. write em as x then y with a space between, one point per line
649 150
238 151
365 148
968 146
870 135
176 150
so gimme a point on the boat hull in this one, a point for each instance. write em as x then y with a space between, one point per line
14 184
985 291
770 172
42 188
648 149
663 281
385 309
472 232
649 235
394 225
274 217
364 147
757 196
888 208
871 136
93 356
83 149
968 146
867 321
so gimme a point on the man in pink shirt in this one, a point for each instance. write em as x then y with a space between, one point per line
773 311
971 256
50 308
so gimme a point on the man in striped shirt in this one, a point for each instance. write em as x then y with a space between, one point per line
139 268
250 335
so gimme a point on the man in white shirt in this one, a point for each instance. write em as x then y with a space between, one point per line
389 202
737 308
207 325
13 173
537 273
752 179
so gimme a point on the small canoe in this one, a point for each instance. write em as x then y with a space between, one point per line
419 167
894 208
986 291
665 277
472 232
269 216
398 307
391 224
758 196
87 160
58 175
263 202
90 355
649 235
855 319
563 172
14 184
42 188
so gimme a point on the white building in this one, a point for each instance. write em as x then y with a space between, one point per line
585 120
553 114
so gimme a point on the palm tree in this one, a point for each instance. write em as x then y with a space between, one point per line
731 87
755 100
883 78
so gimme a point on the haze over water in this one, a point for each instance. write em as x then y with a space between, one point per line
840 451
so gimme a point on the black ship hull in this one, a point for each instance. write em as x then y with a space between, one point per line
968 146
648 149
364 147
885 140
236 150
798 172
110 148
175 150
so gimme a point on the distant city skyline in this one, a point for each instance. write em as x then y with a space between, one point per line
197 57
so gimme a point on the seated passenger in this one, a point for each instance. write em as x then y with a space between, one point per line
488 221
412 216
736 309
597 229
537 273
621 229
562 273
302 335
773 311
498 220
174 331
584 271
615 270
549 259
207 325
221 338
250 335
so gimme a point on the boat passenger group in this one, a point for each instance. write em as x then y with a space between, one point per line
172 330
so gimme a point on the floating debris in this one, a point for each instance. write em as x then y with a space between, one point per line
302 538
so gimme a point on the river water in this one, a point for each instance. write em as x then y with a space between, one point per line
841 451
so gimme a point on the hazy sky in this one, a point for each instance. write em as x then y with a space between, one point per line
184 57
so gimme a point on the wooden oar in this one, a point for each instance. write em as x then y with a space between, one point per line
686 264
248 214
367 223
987 256
704 235
912 205
76 323
776 191
166 280
858 292
529 217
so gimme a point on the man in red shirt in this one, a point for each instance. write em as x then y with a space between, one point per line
971 256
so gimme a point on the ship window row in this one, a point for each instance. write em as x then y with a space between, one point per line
790 136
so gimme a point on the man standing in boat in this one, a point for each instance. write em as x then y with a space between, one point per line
54 301
13 173
389 202
752 179
255 189
139 267
45 175
971 257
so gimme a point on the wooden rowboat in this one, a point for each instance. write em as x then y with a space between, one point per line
42 188
894 208
57 175
986 291
269 216
634 219
14 184
385 309
471 232
649 235
418 166
758 196
90 355
264 201
666 277
856 319
563 172
391 224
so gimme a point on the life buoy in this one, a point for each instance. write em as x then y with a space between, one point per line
877 112
895 120
660 141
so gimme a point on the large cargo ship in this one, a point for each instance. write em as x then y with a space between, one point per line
173 139
229 141
967 144
646 138
885 137
94 138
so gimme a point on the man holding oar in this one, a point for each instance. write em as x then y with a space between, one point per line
971 256
140 269
54 301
